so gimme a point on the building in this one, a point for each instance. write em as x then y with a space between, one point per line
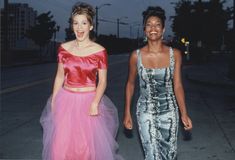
19 19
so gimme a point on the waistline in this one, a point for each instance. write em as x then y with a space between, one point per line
80 89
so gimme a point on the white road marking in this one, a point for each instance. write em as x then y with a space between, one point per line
31 84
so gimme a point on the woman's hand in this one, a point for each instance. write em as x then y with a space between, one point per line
127 122
186 122
93 111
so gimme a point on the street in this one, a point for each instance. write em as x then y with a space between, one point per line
25 90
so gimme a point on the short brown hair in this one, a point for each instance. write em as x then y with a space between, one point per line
82 8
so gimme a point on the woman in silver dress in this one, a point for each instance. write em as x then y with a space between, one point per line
161 91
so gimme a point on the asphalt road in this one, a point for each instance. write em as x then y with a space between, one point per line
24 92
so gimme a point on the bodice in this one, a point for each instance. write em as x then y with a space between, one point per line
155 82
81 71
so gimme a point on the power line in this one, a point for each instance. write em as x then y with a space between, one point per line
114 22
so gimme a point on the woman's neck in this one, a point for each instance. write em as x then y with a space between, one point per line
83 44
155 46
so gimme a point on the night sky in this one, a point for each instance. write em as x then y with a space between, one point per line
132 9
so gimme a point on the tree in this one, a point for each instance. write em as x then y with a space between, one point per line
201 21
182 20
69 35
43 31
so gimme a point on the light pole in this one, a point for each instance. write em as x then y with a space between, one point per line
132 25
55 30
6 24
96 20
118 22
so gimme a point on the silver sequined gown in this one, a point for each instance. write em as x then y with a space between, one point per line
157 111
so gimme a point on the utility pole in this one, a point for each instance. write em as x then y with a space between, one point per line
55 30
96 22
6 54
6 26
118 23
118 20
130 31
97 17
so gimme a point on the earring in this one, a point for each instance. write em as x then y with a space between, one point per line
163 35
145 39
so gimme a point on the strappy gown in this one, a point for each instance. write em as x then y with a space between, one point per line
157 111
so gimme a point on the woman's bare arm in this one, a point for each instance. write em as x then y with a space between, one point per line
130 86
179 91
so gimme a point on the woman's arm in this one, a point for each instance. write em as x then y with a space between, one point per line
130 87
179 91
102 83
59 80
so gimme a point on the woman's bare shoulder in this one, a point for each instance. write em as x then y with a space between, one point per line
97 47
67 45
133 56
177 54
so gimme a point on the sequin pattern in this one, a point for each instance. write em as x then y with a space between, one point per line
157 111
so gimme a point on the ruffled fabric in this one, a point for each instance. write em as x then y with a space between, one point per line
69 133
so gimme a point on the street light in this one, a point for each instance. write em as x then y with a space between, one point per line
96 22
118 22
132 25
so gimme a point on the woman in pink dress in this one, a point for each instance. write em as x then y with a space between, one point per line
79 122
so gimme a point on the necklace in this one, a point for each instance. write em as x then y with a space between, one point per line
82 47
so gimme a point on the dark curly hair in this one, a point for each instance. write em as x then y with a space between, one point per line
155 11
83 8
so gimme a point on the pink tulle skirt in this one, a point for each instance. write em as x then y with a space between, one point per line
70 133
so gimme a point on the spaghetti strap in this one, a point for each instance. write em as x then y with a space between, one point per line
138 58
172 60
158 131
138 53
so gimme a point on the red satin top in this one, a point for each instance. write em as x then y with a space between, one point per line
81 71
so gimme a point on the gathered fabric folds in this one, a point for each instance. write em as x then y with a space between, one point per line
70 133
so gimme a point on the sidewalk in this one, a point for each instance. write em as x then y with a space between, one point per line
212 73
209 75
210 100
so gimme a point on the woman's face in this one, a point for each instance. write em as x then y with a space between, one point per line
154 28
81 27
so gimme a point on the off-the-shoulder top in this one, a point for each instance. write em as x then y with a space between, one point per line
81 71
